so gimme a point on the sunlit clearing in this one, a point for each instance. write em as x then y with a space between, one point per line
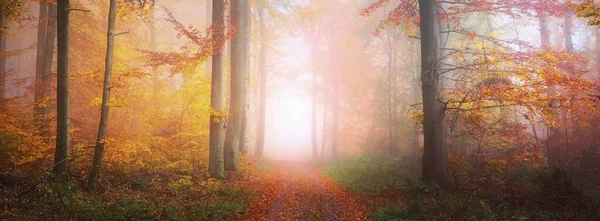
288 129
288 112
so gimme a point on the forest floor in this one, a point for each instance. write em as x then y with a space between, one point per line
295 191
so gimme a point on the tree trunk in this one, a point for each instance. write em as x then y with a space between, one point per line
247 48
313 128
569 33
553 132
61 154
324 130
45 56
597 54
335 118
390 87
434 155
155 76
416 130
217 94
544 31
236 100
2 60
99 150
38 111
48 61
209 17
262 71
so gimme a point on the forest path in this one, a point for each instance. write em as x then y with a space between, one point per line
295 191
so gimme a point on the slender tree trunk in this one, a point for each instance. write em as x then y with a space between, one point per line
416 130
39 66
544 31
553 132
434 155
598 54
99 150
390 87
335 118
61 154
209 17
45 55
48 61
2 60
217 97
262 71
569 32
324 130
155 75
313 129
247 48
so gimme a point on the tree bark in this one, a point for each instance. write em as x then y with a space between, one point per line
99 150
262 71
2 61
217 91
61 153
236 109
434 155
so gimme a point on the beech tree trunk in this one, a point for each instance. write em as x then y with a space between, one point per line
237 106
61 153
217 94
99 150
262 71
434 154
2 60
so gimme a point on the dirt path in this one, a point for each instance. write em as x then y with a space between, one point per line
292 191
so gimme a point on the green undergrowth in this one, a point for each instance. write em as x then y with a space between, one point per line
395 193
177 198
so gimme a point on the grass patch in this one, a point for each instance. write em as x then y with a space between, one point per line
396 193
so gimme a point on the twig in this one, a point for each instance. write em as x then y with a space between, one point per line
77 9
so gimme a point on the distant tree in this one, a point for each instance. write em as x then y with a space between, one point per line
45 55
247 35
99 149
262 71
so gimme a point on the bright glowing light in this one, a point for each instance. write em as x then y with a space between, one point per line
288 121
288 129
